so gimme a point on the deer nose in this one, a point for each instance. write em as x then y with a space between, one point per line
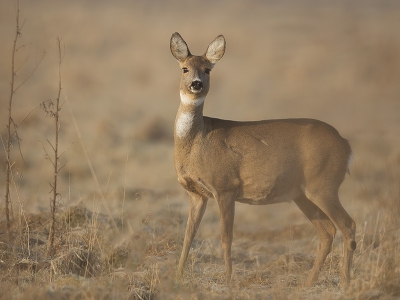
196 85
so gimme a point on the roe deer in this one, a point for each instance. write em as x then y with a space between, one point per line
260 162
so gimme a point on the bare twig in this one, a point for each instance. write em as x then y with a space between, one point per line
47 153
62 153
30 74
51 145
14 133
56 162
8 141
23 119
22 46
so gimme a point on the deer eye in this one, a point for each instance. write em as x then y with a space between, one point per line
207 71
185 70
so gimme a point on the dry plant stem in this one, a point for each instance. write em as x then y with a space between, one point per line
11 122
26 116
53 201
8 142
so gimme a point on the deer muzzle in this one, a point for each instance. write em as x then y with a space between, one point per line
196 86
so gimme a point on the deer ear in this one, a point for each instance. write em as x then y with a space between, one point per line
179 48
216 49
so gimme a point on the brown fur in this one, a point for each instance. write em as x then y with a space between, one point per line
258 163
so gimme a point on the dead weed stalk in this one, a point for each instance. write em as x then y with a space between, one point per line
53 110
13 134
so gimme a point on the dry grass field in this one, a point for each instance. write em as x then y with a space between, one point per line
121 213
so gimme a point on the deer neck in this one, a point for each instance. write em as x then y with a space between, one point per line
189 120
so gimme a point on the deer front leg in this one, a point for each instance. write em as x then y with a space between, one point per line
227 214
198 206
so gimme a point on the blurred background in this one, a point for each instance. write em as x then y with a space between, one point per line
337 61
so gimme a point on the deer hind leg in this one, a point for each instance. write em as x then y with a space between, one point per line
326 232
227 214
198 206
331 206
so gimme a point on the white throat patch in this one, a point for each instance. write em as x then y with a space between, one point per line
184 123
185 99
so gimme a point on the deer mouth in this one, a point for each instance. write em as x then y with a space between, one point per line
196 87
194 91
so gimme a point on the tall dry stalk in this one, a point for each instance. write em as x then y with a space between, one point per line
55 113
10 122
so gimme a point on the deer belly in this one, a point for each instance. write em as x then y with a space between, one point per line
268 195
